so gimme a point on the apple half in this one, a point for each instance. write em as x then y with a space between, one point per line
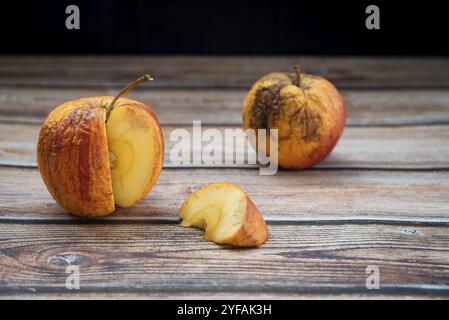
227 215
98 153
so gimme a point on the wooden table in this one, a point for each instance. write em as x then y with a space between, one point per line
381 199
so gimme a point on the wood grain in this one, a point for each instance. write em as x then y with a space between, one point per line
223 295
357 196
219 71
380 199
409 147
223 107
141 258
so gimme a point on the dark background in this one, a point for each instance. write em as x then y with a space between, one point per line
224 27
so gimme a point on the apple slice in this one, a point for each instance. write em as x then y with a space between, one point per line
227 215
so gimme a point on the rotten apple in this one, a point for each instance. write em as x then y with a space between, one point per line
98 153
307 110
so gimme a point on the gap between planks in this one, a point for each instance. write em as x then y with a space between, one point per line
271 220
272 291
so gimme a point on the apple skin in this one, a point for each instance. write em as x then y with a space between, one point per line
72 155
310 117
254 230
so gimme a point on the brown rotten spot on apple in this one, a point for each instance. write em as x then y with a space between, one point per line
307 110
96 153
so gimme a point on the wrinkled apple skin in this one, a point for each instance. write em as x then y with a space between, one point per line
72 155
310 116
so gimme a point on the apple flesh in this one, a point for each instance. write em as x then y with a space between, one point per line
227 215
96 153
135 151
307 110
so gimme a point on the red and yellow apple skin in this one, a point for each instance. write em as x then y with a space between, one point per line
309 114
73 156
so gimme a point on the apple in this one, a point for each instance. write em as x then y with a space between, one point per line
307 110
227 215
98 153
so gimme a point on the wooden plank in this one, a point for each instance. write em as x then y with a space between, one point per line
180 295
414 147
223 107
290 196
141 258
218 71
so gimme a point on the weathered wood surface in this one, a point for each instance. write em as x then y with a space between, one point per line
289 196
224 295
165 257
223 72
408 147
223 107
380 199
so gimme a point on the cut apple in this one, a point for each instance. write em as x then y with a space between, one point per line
98 153
227 215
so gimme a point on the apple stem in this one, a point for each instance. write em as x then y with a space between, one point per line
125 90
297 68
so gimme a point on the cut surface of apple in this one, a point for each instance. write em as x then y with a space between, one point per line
226 214
131 140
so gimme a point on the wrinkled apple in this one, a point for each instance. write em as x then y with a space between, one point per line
307 110
227 215
96 153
